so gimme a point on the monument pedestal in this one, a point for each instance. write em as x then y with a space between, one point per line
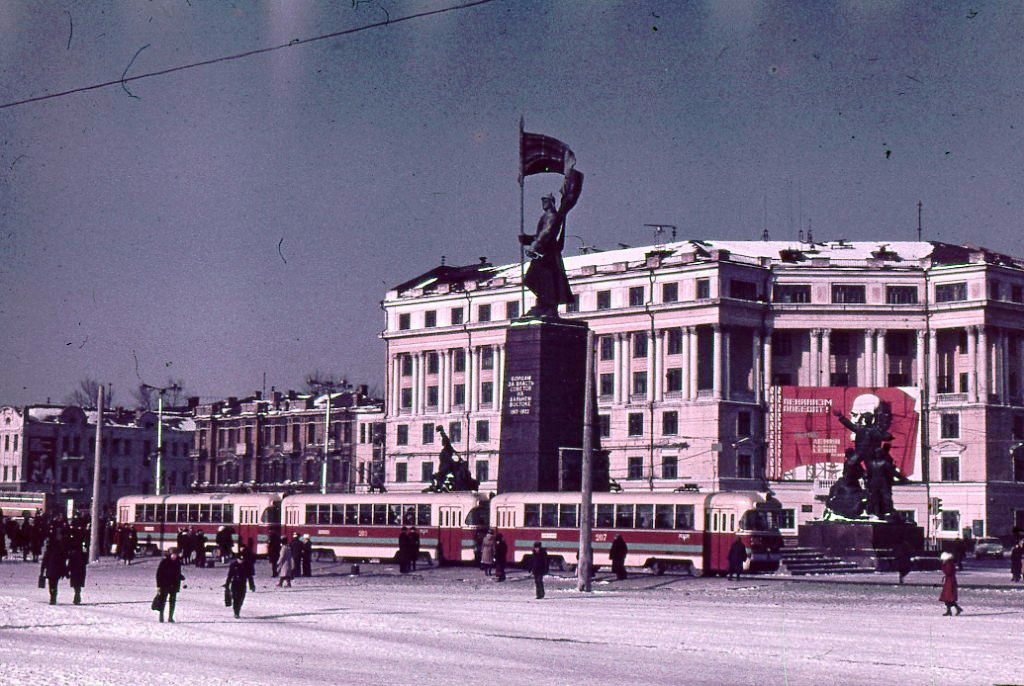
542 411
860 541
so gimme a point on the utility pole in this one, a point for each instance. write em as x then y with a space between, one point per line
158 479
327 441
94 529
583 569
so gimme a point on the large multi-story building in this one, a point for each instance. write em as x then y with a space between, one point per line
277 443
720 364
51 449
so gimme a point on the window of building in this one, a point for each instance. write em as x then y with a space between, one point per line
604 430
426 471
669 423
402 434
950 520
669 467
950 292
607 385
673 380
455 432
404 321
406 398
744 466
636 296
484 313
1016 294
839 379
604 300
839 343
639 383
1018 464
950 467
487 392
901 295
428 433
742 423
635 468
949 425
897 343
483 431
456 315
430 319
459 360
433 363
791 293
703 289
782 344
459 394
640 344
669 292
406 362
636 423
607 347
742 290
483 470
848 293
994 290
512 309
487 358
432 396
674 342
401 472
574 303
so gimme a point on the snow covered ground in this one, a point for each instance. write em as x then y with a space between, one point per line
456 626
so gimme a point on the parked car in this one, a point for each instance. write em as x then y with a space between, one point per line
988 547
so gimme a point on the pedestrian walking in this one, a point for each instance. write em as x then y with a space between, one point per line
1016 554
200 549
307 556
236 583
500 555
949 593
54 565
285 566
617 554
168 583
77 563
274 549
539 567
487 552
737 556
245 551
403 550
414 547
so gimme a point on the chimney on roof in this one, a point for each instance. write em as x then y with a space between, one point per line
259 395
193 402
483 260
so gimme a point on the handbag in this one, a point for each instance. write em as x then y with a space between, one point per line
42 580
158 602
227 596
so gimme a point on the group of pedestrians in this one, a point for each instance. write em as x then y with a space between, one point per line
493 554
294 558
408 549
63 556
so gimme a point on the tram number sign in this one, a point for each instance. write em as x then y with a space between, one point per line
363 533
600 537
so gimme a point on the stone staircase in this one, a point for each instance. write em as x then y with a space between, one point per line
799 561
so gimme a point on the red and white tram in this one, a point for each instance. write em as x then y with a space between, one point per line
661 530
158 518
366 526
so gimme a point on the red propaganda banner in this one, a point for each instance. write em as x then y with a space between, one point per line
803 429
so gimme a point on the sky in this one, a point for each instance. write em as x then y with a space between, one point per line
236 225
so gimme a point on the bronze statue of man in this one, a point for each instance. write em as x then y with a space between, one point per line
546 274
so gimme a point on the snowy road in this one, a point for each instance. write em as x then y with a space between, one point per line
455 626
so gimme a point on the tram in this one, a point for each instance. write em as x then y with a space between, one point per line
688 530
22 503
361 527
158 518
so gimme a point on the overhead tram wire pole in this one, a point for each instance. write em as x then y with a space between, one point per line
158 479
585 565
94 527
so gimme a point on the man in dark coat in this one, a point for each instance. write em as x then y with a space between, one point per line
248 558
1016 556
296 548
274 550
539 567
307 556
403 550
76 570
200 548
617 554
168 582
500 555
737 556
237 581
54 565
414 548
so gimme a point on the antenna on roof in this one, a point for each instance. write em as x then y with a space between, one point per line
659 233
810 232
442 260
919 205
764 219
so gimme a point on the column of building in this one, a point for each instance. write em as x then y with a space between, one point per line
693 359
825 361
716 384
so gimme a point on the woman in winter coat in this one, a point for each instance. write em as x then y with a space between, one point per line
168 582
76 570
237 582
54 565
949 592
487 552
285 566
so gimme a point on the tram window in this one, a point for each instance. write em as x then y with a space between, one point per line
229 513
549 514
732 522
193 513
567 516
217 512
148 513
645 516
366 514
351 513
171 513
140 512
684 516
624 517
380 514
310 514
204 512
159 513
409 515
394 515
531 515
605 516
662 516
337 514
423 515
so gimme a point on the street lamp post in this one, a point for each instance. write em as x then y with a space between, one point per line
327 442
160 432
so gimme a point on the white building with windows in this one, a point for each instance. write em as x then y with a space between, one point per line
706 351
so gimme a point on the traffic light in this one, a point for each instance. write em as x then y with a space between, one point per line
935 505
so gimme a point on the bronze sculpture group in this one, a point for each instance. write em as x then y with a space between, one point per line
452 474
871 461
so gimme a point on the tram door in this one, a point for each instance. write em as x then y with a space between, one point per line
123 514
719 532
248 521
291 520
449 532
